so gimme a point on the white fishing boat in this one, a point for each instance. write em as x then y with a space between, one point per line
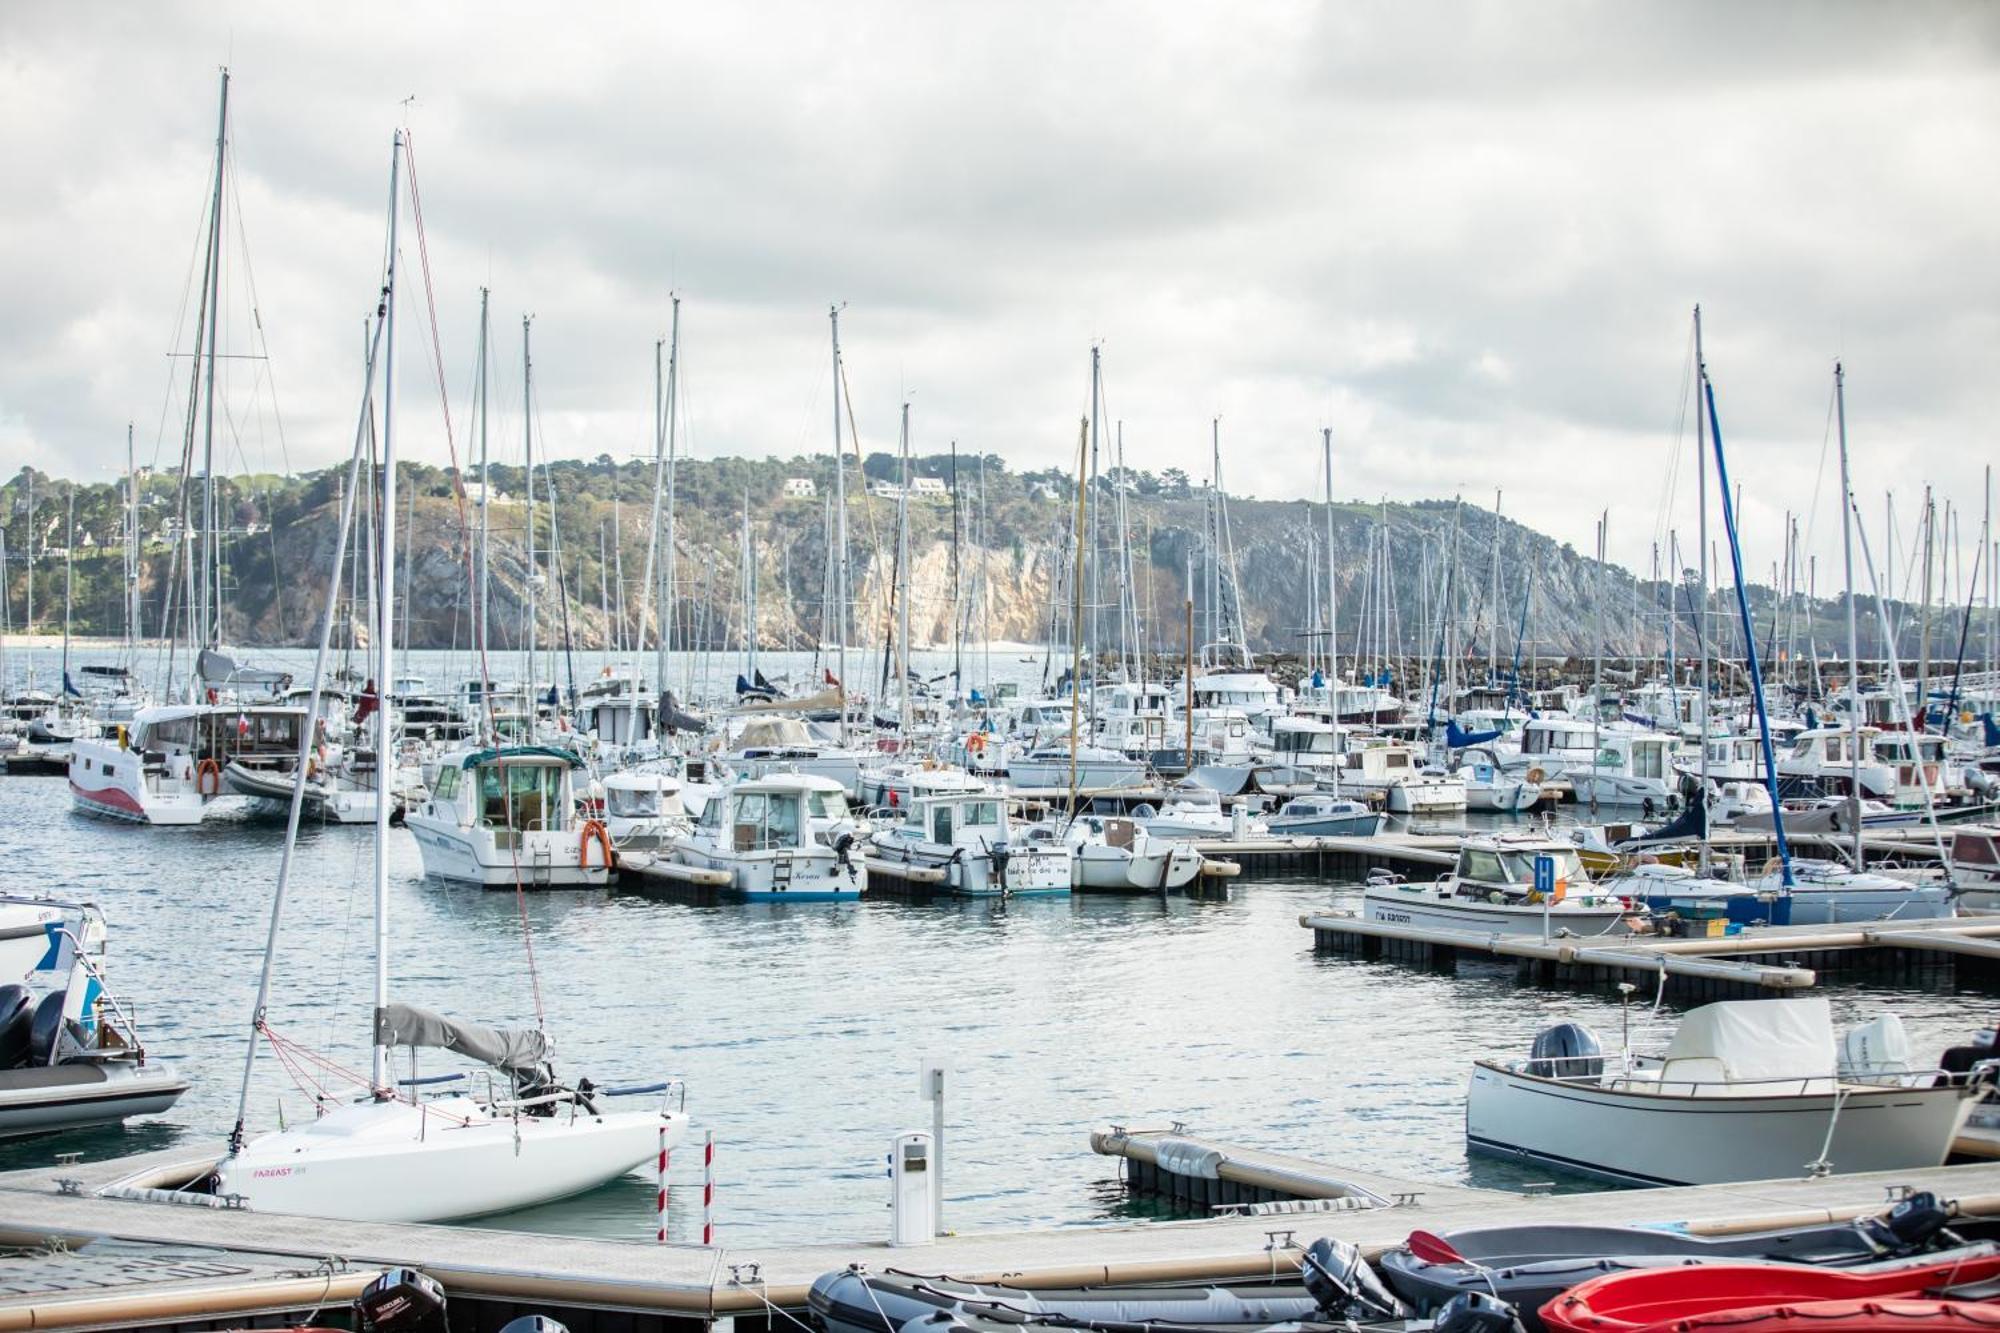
167 766
1828 761
979 849
1323 816
643 809
1490 788
1096 768
1627 768
1746 1090
506 816
1492 889
1394 770
784 837
1115 855
1192 811
71 1055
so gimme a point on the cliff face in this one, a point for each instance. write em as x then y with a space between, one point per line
1395 563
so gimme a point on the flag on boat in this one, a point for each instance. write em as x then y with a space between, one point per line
242 724
832 679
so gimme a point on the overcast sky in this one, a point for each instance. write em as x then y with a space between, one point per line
1467 237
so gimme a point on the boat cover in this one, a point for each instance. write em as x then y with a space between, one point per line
1757 1042
812 703
773 733
503 1048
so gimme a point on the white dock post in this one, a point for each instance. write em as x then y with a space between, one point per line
932 1086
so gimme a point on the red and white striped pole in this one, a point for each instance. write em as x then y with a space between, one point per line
663 1184
708 1190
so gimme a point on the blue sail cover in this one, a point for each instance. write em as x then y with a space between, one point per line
1458 739
1992 728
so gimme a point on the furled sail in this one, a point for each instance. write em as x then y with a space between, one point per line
503 1048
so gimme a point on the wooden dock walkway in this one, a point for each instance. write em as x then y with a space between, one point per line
1756 960
270 1263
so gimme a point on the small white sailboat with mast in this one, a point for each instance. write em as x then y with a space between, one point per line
392 1154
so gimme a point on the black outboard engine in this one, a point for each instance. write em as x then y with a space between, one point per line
1914 1225
1000 854
1567 1050
842 845
402 1300
17 1017
1345 1286
1476 1312
45 1029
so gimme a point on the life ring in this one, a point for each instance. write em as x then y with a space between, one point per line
1535 775
205 770
593 829
976 742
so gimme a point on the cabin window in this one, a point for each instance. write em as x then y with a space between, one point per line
447 784
1974 851
632 802
941 823
985 814
1484 866
1395 759
1835 749
1646 761
520 796
828 805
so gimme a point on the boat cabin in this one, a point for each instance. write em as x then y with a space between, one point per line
977 821
1507 865
258 737
785 811
1306 742
523 788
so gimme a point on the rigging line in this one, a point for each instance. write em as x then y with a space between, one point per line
1663 517
256 310
444 395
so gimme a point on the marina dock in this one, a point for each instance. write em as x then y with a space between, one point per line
183 1267
1757 960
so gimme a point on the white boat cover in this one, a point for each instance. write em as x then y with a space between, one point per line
812 703
1760 1045
773 733
503 1048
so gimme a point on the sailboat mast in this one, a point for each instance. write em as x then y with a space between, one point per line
1701 603
1332 593
482 599
665 593
385 607
210 612
839 554
69 583
902 593
1853 628
132 626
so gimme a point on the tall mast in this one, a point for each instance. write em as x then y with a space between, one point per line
1701 602
902 594
1493 630
133 629
839 554
1923 708
1853 629
69 582
482 597
528 450
665 593
385 608
957 621
1095 577
210 611
749 591
1332 592
1217 626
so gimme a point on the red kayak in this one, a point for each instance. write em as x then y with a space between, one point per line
1717 1296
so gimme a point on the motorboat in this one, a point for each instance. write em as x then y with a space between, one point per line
1628 767
1490 788
1975 867
897 783
1192 811
340 788
71 1055
167 766
1324 816
1825 893
784 837
1395 770
507 816
1492 887
1744 1298
1745 1090
979 850
1116 855
1308 746
1530 1264
1831 761
643 809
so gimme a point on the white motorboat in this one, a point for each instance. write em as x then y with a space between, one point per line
643 809
507 817
1746 1090
28 933
1116 855
167 766
71 1056
1192 811
1393 769
1829 761
1324 816
896 783
1490 788
1824 893
1975 867
1491 888
978 847
341 785
785 837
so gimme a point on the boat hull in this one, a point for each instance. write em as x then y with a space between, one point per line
551 860
1417 906
780 876
36 1101
1652 1138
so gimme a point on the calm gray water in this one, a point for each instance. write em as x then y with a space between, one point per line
799 1029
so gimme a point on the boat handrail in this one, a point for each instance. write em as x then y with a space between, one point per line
1644 1078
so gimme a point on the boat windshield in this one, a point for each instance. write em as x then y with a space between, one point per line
1520 866
761 821
521 796
828 804
633 802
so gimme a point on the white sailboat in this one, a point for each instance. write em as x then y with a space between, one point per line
392 1155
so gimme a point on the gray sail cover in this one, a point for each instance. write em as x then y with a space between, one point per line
503 1048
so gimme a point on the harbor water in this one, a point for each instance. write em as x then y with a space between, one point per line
799 1029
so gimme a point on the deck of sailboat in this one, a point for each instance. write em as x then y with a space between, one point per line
219 1259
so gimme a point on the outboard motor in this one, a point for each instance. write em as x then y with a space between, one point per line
45 1028
842 845
1567 1050
1000 854
402 1300
1345 1286
1476 1312
1912 1226
17 1017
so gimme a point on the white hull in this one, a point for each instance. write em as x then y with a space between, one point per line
1607 788
781 874
1406 796
1091 774
1031 868
1502 797
1166 865
393 1162
1420 906
543 860
1658 1139
109 781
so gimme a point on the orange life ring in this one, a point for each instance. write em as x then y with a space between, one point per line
976 742
593 829
205 770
